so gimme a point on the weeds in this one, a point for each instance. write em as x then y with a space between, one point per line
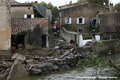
92 60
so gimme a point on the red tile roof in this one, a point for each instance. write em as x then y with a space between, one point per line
18 25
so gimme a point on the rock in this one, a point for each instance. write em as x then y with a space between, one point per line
55 67
36 71
2 77
17 71
19 57
57 47
30 61
45 65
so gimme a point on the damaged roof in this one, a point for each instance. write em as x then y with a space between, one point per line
18 24
15 3
79 4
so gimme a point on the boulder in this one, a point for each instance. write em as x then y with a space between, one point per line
17 71
19 57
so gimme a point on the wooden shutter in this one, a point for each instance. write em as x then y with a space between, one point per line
25 15
32 16
65 20
77 20
83 20
70 20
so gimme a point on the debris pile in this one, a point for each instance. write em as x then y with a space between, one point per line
58 59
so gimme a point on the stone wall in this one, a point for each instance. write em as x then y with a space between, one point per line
5 36
67 35
108 47
5 30
109 22
33 38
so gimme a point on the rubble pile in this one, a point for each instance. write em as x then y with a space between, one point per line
63 59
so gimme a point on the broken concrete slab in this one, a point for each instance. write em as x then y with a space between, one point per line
19 57
17 71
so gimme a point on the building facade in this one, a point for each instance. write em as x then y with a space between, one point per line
29 25
80 15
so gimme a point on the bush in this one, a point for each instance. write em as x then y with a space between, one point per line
92 60
69 28
86 36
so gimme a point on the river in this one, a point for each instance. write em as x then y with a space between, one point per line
72 75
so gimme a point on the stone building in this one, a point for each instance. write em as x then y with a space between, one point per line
80 15
29 25
20 10
5 29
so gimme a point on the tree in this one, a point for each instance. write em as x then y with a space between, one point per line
117 7
55 11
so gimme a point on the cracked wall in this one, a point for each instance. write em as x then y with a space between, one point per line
5 38
5 29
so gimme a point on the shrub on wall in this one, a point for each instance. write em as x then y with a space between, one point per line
69 28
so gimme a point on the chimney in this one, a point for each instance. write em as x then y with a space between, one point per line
36 2
70 2
111 8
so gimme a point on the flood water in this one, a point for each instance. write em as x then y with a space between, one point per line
71 75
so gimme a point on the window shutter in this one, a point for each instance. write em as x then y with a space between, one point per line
77 20
25 15
70 20
65 20
32 16
83 20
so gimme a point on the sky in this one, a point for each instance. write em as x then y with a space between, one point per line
61 2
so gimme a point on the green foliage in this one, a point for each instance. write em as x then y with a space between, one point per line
100 2
86 36
50 29
99 43
117 44
105 36
117 6
92 60
115 67
55 11
69 28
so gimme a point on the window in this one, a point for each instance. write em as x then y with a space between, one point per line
28 16
93 22
80 20
67 20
